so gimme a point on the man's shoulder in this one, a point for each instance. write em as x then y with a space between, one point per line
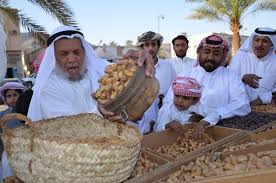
165 62
241 55
229 73
190 59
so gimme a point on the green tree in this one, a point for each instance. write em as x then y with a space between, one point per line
112 43
129 43
231 11
56 8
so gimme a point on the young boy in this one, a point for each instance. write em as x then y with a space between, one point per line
10 92
187 93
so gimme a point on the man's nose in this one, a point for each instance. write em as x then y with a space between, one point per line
260 43
71 57
150 47
211 56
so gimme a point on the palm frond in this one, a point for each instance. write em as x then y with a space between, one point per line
222 7
58 9
11 13
37 31
4 3
195 1
204 12
265 6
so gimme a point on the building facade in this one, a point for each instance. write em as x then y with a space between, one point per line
13 49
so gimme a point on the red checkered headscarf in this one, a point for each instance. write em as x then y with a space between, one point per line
214 41
36 63
185 86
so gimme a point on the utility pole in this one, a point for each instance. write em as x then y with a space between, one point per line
158 22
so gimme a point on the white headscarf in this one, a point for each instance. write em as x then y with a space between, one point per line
248 44
95 67
3 61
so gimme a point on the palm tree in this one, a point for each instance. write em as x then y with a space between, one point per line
231 11
56 8
129 43
112 43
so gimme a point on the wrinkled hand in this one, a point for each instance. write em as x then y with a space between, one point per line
110 115
93 95
131 54
176 126
12 179
145 59
258 101
199 129
252 80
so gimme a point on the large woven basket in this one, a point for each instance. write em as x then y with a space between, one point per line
136 98
80 148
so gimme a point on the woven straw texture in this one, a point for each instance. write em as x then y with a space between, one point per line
80 148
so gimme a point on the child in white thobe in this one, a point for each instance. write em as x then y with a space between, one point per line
187 92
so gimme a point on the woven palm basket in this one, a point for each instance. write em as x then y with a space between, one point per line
80 148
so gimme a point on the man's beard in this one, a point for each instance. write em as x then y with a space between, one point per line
209 65
180 56
76 77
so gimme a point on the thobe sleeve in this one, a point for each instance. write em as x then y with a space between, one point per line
149 115
266 97
173 73
211 117
235 64
6 168
163 118
265 92
168 99
238 103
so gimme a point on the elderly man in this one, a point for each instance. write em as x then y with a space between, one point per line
68 75
151 43
255 63
181 62
223 93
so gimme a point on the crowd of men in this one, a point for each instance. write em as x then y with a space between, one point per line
69 73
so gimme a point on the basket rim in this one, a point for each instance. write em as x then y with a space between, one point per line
139 70
101 141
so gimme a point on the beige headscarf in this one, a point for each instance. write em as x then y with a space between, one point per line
149 36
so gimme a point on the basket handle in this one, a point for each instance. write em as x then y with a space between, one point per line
4 120
123 114
28 122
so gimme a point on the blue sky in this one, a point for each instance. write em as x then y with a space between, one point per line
121 20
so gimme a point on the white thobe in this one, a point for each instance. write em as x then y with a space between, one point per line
62 97
247 63
182 65
223 94
171 113
6 170
165 74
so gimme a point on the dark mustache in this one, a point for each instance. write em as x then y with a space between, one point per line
259 47
210 61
